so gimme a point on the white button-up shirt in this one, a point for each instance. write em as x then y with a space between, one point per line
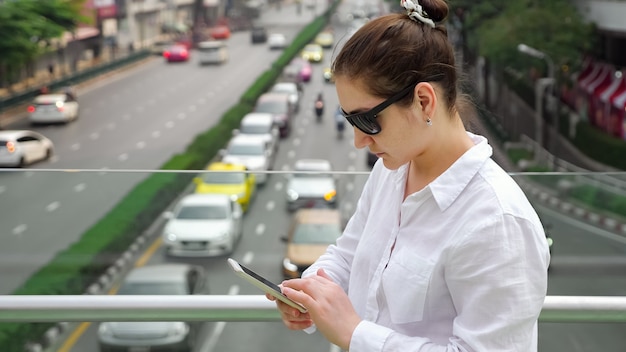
460 265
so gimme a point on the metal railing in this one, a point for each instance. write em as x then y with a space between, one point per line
248 308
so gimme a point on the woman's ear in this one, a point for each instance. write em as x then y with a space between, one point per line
426 98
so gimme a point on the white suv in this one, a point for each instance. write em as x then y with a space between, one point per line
260 124
252 151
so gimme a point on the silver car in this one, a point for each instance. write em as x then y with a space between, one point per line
207 224
312 185
160 279
290 88
52 108
252 151
260 124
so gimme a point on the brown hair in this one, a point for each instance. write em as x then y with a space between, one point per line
391 52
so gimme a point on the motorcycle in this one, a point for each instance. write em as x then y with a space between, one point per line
319 110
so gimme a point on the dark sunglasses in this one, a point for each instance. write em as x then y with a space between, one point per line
366 121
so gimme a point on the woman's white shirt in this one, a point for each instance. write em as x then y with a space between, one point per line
459 266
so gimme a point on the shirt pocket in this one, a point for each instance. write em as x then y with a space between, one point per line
405 283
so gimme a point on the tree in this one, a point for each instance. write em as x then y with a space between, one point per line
494 28
28 26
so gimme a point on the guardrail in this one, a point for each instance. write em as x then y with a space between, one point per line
248 308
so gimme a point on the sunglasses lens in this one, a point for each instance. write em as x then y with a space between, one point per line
366 124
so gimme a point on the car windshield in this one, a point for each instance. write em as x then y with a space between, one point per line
283 88
201 212
271 106
223 178
316 234
153 288
246 149
255 129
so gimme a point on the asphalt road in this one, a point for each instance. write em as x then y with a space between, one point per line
133 121
138 120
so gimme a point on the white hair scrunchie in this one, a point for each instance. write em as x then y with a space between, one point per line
416 13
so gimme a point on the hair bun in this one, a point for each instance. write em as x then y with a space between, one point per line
416 12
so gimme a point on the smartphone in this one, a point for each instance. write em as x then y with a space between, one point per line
262 283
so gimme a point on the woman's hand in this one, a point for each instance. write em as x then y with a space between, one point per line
293 318
328 307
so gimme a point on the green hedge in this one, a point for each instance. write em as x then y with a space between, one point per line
75 268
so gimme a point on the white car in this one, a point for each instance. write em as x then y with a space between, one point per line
252 151
53 108
290 88
312 185
206 224
277 41
260 124
23 147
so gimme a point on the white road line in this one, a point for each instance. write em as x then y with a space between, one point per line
126 117
260 229
75 146
291 154
296 141
53 206
213 338
3 189
181 116
270 205
122 157
80 187
278 186
170 124
352 155
18 230
247 258
156 134
192 108
139 108
349 186
54 159
94 136
141 145
112 126
201 101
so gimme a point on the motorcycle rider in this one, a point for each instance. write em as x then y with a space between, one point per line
319 107
340 122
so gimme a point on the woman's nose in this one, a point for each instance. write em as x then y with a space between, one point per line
361 140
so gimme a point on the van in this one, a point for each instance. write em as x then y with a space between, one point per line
212 52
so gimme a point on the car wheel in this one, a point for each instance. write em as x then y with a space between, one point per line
22 162
48 154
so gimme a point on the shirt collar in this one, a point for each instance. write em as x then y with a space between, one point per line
447 187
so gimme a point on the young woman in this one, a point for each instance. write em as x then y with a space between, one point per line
444 252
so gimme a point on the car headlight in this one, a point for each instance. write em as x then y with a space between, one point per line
179 329
292 195
171 237
330 196
289 266
104 330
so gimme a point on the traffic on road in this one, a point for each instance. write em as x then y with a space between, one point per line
132 123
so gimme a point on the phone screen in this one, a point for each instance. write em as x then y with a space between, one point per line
262 279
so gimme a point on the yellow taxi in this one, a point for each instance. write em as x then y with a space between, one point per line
325 39
313 53
227 178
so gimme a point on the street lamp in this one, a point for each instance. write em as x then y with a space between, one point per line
541 86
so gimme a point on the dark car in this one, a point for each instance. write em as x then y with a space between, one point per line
258 35
279 105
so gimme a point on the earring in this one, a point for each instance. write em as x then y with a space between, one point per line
429 122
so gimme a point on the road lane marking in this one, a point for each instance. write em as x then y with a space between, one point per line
141 145
211 342
192 108
349 186
247 258
149 252
54 159
126 117
18 230
2 189
53 206
156 134
170 124
260 229
181 116
112 126
122 157
296 141
80 187
73 338
75 146
270 205
94 136
291 154
278 186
